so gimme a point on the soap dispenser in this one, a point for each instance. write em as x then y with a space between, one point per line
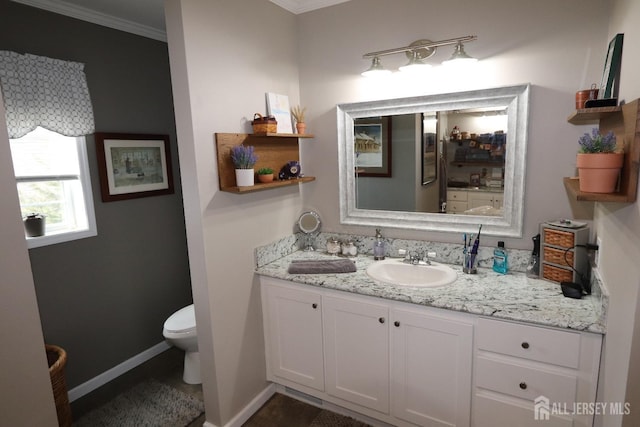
378 246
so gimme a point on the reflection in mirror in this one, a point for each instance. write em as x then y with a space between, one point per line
454 161
308 223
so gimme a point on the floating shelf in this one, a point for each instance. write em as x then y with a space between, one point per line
624 121
269 185
274 150
283 135
573 186
591 115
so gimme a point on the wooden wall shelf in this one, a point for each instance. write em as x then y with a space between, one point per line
624 121
274 150
591 115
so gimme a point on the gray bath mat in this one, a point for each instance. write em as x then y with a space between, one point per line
148 404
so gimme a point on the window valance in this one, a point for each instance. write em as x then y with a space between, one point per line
46 92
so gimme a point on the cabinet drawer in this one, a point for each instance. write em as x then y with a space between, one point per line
564 239
556 274
529 342
557 256
492 412
525 382
457 195
456 207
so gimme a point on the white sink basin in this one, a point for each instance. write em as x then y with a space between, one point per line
396 272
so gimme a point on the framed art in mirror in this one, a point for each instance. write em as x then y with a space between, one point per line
372 145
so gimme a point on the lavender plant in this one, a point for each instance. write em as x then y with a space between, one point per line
243 157
596 143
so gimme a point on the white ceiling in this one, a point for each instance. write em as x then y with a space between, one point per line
143 17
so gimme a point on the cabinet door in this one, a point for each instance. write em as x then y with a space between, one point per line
294 335
431 360
456 207
357 352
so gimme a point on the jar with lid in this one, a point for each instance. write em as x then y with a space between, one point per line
349 248
333 246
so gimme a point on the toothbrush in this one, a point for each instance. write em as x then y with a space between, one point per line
474 249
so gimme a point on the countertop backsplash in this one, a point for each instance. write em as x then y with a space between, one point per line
447 253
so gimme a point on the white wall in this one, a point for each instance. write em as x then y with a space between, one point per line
558 47
25 384
618 226
224 56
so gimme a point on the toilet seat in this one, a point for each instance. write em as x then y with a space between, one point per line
182 321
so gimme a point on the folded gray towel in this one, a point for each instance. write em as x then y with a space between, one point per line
322 266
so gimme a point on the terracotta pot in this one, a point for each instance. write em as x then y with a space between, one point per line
265 178
598 172
301 128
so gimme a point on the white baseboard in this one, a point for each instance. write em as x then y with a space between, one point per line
95 382
246 412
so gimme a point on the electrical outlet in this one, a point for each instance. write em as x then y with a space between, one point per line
599 251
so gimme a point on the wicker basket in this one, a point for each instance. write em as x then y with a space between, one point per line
557 256
556 274
564 239
264 124
57 359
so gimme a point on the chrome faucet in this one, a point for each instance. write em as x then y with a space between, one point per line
417 259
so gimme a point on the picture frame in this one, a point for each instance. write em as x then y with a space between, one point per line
278 107
372 146
610 83
133 165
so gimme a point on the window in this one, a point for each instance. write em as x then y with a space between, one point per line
52 175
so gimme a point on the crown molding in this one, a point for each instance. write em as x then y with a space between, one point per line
300 6
98 18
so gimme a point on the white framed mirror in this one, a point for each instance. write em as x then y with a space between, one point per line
512 102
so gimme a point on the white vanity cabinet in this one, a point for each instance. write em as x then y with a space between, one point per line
357 351
403 365
293 328
431 358
522 372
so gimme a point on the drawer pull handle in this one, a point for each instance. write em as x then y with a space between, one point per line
525 345
314 305
396 323
381 320
523 385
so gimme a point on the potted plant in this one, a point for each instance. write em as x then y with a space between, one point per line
298 115
265 174
598 162
243 158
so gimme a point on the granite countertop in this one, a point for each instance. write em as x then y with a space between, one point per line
512 297
483 189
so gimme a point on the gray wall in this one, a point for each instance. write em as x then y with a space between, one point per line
104 299
403 172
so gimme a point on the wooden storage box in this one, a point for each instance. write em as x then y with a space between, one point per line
560 254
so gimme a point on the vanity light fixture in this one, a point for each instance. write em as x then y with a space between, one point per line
459 55
417 52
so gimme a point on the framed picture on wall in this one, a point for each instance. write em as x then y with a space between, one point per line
372 145
611 75
133 165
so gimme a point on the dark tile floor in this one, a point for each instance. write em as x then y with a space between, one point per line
279 411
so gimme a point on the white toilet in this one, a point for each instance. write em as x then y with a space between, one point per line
180 330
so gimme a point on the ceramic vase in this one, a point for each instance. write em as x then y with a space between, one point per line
301 128
598 172
244 177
